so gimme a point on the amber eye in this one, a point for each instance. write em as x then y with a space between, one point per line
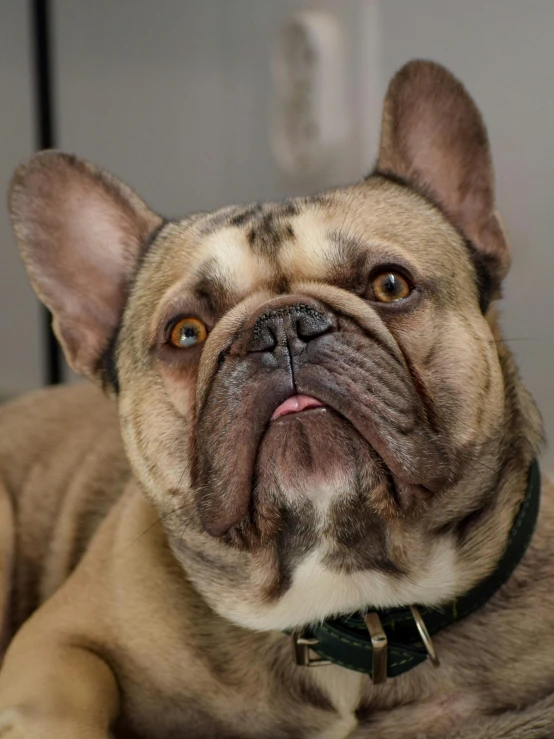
390 286
188 332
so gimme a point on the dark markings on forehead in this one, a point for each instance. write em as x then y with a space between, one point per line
212 222
246 215
271 229
488 287
267 226
321 198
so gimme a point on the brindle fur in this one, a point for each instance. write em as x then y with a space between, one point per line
158 537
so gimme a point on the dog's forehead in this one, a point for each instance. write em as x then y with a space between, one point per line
240 249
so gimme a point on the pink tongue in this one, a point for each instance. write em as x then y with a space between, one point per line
295 404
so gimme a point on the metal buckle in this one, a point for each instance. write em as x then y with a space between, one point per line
301 646
380 643
425 636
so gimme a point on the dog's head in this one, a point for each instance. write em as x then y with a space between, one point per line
312 393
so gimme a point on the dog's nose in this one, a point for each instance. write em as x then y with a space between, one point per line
292 325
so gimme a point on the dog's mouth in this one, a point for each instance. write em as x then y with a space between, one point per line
296 404
285 425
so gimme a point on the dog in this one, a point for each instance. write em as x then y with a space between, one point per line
299 498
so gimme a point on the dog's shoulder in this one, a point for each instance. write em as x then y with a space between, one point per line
33 426
62 467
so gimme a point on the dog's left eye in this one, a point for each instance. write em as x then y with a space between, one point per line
188 332
389 287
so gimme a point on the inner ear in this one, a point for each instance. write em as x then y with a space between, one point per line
433 138
81 232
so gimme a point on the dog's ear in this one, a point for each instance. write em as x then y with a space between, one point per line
434 139
80 232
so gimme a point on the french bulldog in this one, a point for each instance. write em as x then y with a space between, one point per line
301 412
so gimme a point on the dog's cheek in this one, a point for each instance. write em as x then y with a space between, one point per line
179 381
455 354
158 438
471 372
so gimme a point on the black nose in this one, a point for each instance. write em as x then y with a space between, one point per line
294 325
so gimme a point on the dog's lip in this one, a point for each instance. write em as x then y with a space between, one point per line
296 404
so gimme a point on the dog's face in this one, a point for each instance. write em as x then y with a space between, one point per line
310 392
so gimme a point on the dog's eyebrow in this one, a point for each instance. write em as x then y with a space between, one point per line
347 267
212 288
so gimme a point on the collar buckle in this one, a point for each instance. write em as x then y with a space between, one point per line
425 636
302 645
380 644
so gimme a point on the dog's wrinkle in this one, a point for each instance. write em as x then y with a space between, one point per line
221 359
423 393
461 527
236 415
403 455
352 368
392 486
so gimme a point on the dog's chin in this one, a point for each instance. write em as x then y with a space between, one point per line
313 455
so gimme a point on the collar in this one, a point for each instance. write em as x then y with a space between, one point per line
387 643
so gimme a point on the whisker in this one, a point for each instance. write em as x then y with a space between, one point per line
155 523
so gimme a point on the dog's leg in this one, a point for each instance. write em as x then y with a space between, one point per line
52 689
535 722
7 545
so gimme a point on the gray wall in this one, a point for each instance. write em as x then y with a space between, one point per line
177 100
20 345
174 96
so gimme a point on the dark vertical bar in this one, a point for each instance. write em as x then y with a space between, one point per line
46 139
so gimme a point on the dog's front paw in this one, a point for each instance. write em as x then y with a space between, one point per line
28 724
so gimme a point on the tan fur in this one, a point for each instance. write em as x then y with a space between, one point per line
145 551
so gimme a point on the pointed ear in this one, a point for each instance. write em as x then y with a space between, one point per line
433 138
80 232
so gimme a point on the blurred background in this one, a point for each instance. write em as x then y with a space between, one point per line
199 103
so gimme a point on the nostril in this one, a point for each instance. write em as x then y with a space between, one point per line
272 336
263 340
264 334
288 325
311 324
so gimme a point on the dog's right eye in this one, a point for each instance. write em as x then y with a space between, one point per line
188 332
390 287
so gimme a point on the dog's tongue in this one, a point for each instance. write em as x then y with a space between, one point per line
295 404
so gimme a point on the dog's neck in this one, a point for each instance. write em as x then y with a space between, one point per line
390 642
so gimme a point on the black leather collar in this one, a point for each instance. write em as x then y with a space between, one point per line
392 643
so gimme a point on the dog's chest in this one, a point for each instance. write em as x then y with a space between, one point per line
252 711
391 711
434 720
